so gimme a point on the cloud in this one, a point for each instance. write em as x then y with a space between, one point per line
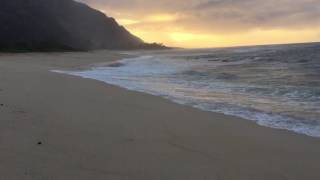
174 21
248 14
219 15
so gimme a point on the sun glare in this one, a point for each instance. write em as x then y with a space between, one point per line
127 21
181 37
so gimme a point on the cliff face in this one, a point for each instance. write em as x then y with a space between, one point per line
60 24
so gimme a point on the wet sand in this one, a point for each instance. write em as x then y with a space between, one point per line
60 127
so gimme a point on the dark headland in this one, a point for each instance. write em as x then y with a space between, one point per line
61 25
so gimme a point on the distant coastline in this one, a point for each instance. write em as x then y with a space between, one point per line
144 46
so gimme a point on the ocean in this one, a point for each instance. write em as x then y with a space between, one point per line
275 86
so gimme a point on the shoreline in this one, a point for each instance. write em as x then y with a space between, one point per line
90 129
232 117
120 62
184 105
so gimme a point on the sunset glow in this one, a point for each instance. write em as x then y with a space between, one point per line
201 24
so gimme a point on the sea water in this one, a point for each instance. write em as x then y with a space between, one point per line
276 86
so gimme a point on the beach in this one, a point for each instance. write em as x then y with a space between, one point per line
56 126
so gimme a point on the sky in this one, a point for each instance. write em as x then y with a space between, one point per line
216 23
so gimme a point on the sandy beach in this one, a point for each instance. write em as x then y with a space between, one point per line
60 127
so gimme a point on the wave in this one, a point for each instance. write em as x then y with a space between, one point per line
275 94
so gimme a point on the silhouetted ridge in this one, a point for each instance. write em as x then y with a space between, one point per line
61 25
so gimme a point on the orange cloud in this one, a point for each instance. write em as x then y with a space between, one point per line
203 23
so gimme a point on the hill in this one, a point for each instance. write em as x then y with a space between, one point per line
47 25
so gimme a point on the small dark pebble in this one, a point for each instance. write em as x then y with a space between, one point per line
1 104
39 143
130 139
116 65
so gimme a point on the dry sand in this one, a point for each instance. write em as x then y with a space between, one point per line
60 127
